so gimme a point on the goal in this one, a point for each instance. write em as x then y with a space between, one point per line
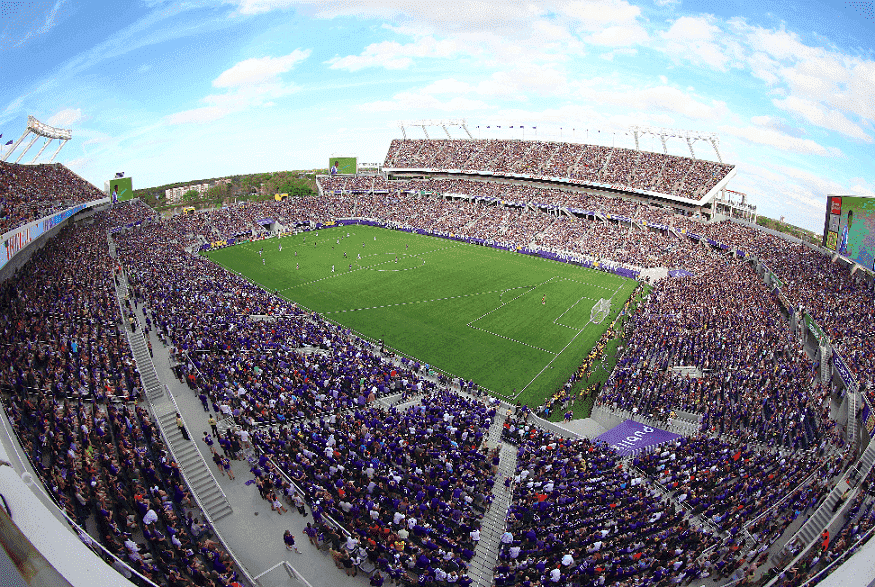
600 311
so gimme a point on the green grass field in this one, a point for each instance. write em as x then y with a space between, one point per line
470 311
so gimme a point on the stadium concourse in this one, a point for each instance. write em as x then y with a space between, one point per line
414 479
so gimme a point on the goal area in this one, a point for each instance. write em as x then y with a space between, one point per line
600 311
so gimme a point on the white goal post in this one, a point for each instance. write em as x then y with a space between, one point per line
600 311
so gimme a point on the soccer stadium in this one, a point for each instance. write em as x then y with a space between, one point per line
727 445
492 358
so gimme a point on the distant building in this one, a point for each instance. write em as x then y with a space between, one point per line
174 195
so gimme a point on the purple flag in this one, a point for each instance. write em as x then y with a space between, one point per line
631 436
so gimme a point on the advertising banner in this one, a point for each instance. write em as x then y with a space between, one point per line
844 373
868 418
631 437
16 240
815 329
848 228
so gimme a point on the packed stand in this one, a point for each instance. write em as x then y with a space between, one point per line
580 517
31 192
409 487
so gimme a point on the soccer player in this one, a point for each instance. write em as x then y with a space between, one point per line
297 266
332 268
843 243
281 247
544 300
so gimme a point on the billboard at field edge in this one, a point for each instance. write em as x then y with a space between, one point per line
849 228
125 188
342 165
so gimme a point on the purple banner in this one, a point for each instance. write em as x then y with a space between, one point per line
842 370
868 418
631 437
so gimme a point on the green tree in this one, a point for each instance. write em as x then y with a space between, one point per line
191 196
217 193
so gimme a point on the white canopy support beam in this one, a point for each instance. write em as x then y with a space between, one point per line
40 129
690 142
15 146
46 144
61 146
464 126
27 148
715 142
689 136
425 124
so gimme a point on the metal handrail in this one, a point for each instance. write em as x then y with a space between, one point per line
151 409
297 487
213 477
204 510
74 525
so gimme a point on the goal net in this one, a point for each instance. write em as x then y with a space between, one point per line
600 311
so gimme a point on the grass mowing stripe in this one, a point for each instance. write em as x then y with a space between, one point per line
469 310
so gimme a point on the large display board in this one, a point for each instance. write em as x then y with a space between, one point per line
849 228
342 165
125 188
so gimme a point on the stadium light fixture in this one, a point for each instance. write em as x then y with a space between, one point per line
40 129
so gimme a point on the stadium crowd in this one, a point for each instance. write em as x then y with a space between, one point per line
638 170
31 192
70 389
410 486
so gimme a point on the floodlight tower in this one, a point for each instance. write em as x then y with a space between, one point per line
39 129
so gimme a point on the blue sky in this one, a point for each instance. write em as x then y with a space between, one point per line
176 91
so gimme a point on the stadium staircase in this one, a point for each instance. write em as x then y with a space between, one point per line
830 509
494 521
853 407
197 475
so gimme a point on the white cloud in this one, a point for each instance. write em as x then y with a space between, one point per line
419 100
20 12
249 83
65 118
447 86
525 79
610 23
259 70
597 13
777 124
823 117
618 36
700 41
771 137
394 55
660 98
